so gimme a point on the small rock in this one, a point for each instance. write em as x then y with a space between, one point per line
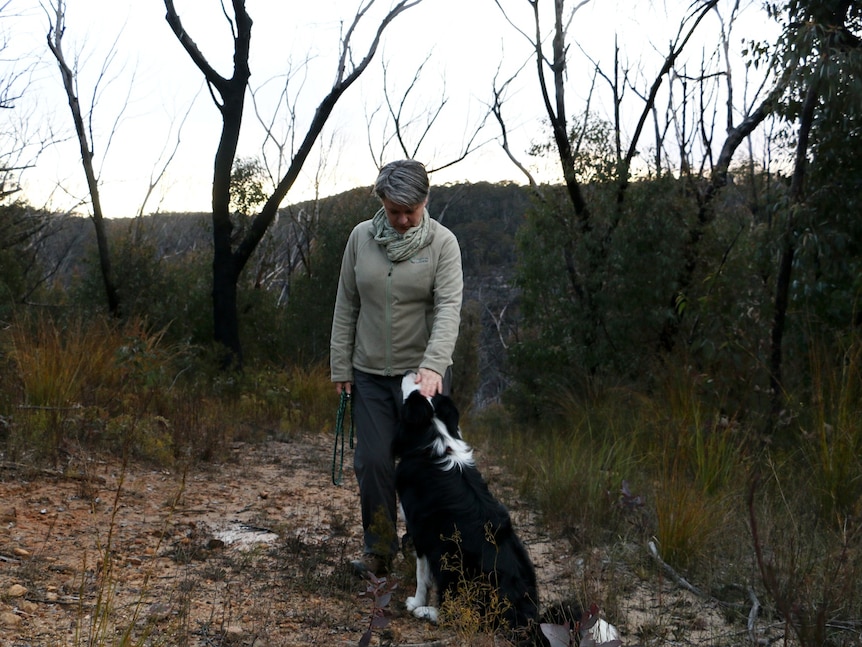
214 544
16 591
21 552
9 619
158 611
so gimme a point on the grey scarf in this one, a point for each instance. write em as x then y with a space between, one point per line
400 247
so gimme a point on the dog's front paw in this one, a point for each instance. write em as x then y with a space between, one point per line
426 613
414 603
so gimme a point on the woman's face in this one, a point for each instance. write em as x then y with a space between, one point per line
403 216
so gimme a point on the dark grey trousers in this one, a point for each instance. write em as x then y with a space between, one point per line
376 403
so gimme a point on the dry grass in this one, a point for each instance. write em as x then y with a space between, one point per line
667 468
117 386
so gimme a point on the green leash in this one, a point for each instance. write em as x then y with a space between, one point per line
339 435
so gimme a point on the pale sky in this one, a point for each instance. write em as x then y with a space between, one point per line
466 42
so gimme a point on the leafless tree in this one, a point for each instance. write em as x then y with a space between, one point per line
229 96
682 38
14 142
551 73
57 19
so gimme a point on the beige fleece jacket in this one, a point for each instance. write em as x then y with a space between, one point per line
393 317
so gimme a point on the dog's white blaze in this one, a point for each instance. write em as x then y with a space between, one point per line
408 384
453 452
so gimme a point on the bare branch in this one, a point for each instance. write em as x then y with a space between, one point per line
676 49
212 77
166 158
397 114
344 79
57 28
419 126
284 143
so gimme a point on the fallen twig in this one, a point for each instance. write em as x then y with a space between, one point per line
752 615
39 407
52 473
653 549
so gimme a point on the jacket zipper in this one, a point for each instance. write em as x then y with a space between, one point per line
388 337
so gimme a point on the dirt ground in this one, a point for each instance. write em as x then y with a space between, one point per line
253 552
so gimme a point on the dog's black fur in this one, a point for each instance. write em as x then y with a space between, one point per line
457 526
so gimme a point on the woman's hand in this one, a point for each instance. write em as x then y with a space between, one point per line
430 382
342 386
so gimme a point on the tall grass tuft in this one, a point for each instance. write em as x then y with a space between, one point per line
63 369
311 401
811 571
58 364
805 507
475 610
833 445
574 472
87 382
101 624
688 520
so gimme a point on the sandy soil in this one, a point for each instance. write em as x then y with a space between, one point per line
253 552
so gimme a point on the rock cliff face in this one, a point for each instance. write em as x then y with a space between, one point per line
493 301
486 218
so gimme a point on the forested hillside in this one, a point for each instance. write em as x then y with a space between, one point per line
653 282
304 244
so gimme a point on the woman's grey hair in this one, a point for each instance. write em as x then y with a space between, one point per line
404 182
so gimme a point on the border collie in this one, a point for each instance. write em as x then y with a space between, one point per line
460 532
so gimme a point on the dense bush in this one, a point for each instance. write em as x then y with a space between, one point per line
22 230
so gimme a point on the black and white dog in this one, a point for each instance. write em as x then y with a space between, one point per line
460 532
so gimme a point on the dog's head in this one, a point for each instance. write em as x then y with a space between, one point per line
431 424
416 411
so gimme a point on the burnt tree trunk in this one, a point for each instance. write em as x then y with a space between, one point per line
788 249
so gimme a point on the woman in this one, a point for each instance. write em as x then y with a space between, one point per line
398 308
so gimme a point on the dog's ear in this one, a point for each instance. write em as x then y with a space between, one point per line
416 411
447 413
